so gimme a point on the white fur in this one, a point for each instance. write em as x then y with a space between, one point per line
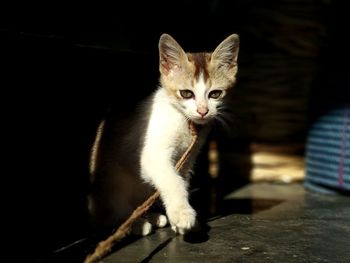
142 227
201 91
167 138
116 187
168 135
162 221
200 101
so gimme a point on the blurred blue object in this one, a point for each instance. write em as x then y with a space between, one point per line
328 152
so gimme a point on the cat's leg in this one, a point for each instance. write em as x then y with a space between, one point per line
157 219
173 191
182 216
144 226
141 227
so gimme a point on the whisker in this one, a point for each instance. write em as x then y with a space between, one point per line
223 124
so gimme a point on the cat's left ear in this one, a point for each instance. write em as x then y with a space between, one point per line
225 55
171 55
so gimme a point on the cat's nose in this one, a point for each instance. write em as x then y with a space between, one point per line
203 111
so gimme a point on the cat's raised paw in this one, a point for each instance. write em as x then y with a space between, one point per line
182 220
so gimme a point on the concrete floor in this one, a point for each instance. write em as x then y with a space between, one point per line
284 223
262 222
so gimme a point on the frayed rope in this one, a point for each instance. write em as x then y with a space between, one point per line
105 246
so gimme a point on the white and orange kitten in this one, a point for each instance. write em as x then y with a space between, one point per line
132 158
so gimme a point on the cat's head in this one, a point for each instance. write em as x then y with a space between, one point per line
198 82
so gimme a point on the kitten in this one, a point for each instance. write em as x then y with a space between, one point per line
131 158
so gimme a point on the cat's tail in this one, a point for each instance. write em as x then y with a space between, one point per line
94 154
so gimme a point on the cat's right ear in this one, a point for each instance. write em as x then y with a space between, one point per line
171 55
225 55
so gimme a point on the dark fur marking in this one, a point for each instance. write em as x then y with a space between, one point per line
200 61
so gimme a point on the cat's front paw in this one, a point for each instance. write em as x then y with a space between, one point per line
182 219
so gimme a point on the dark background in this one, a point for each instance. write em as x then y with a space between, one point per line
65 65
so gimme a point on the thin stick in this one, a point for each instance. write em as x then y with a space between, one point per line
105 246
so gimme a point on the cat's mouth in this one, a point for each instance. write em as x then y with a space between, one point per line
201 120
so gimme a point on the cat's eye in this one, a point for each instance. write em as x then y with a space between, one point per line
215 94
186 94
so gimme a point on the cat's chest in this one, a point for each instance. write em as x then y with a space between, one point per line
168 131
173 134
182 138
